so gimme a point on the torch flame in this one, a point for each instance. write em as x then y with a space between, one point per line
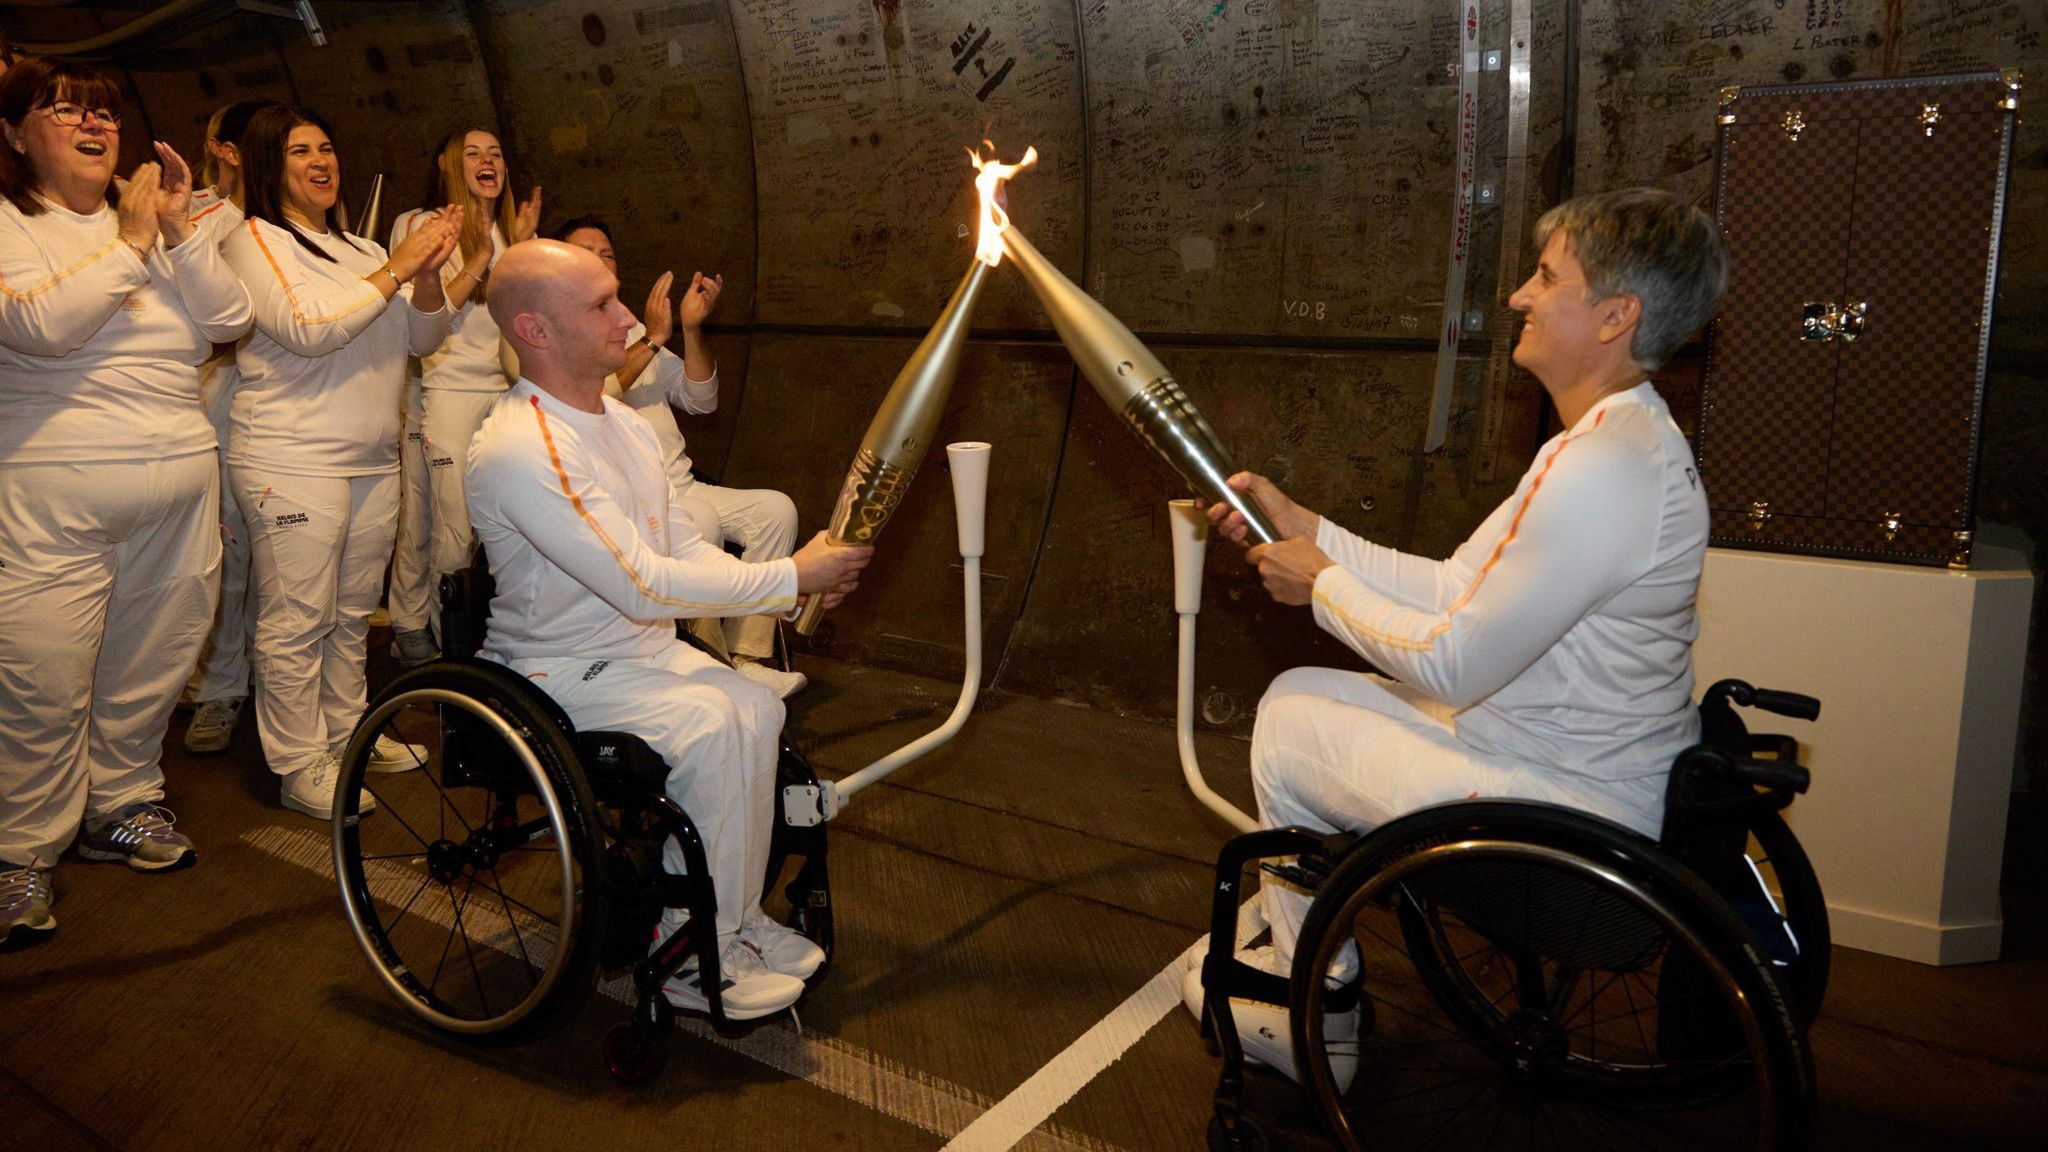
988 247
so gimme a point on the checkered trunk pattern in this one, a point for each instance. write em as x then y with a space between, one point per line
1834 437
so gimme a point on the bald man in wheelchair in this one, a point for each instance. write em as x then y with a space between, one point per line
593 561
1550 657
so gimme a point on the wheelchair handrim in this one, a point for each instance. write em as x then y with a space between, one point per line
360 902
1309 1017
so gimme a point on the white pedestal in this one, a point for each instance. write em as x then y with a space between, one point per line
1918 671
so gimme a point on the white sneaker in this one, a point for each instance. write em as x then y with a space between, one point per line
783 684
213 725
747 989
1262 1028
782 948
311 790
396 756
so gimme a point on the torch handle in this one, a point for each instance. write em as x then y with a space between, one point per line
814 612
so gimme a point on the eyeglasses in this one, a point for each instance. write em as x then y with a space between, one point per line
71 115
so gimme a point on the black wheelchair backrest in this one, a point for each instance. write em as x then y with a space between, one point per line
466 606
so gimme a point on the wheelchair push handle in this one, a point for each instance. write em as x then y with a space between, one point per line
1788 704
1791 704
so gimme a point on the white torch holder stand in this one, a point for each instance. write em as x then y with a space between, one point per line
805 805
1190 528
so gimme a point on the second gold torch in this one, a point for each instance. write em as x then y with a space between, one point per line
1135 385
901 431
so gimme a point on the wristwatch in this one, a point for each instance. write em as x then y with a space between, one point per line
649 341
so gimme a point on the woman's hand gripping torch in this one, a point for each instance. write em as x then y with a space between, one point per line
903 427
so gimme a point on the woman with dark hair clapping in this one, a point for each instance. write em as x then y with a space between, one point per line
109 489
313 438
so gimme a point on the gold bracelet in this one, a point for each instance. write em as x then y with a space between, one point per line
141 253
472 275
396 283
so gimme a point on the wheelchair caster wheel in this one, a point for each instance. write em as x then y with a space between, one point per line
655 1016
633 1054
1250 1137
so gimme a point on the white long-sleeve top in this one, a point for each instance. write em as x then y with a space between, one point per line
100 350
591 554
468 360
1563 628
216 218
664 382
322 371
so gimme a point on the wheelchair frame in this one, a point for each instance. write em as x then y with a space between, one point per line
601 799
1685 886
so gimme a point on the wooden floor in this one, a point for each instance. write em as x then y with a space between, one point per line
996 902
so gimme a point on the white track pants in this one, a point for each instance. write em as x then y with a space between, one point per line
1335 750
452 419
718 731
224 661
763 522
108 574
317 550
414 596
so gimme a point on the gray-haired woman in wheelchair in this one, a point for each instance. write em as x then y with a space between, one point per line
1550 658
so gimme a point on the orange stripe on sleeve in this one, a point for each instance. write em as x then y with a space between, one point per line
293 299
1427 643
576 501
59 278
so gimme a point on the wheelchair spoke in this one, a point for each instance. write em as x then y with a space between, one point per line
517 937
385 805
434 985
1461 1109
449 805
1418 1017
425 882
1636 1014
528 908
475 973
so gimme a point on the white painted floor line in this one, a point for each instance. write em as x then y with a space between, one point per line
870 1080
1033 1102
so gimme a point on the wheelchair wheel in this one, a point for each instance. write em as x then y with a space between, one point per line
1535 978
474 884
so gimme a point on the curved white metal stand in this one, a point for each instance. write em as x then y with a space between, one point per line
1190 530
805 805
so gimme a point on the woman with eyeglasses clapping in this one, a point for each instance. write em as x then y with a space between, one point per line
109 487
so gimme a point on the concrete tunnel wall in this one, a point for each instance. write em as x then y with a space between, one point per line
1262 189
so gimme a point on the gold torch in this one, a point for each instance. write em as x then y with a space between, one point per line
909 416
1136 385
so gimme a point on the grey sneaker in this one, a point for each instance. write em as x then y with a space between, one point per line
748 989
311 790
213 724
414 646
782 948
25 899
140 834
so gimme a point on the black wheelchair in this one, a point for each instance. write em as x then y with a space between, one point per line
491 887
1531 976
